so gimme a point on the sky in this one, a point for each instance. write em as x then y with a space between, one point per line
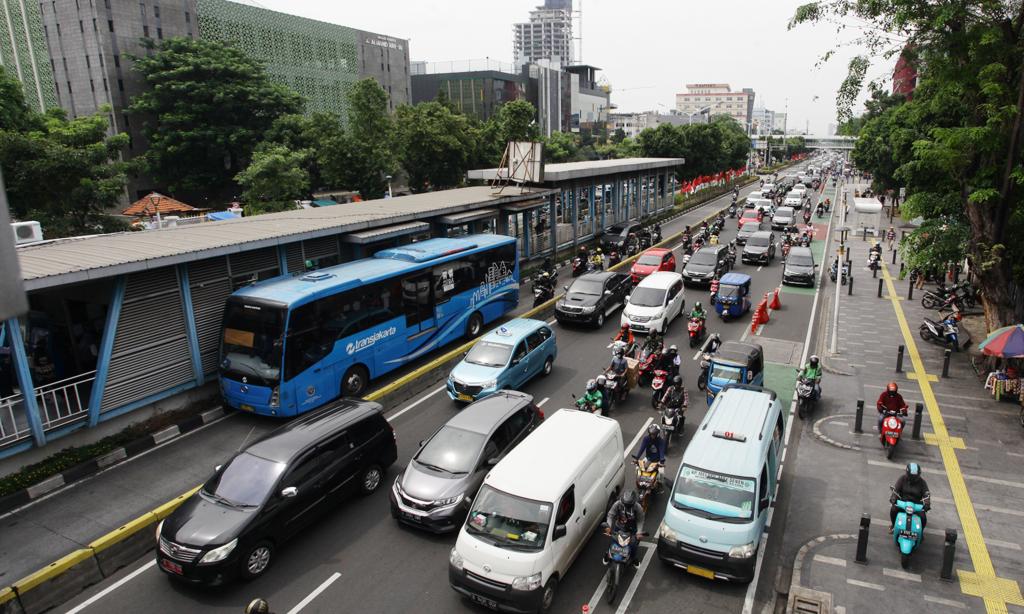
648 49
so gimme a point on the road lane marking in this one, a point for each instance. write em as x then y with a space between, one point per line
985 507
948 602
830 560
543 401
116 585
998 543
636 438
635 582
395 415
902 575
316 592
877 587
983 582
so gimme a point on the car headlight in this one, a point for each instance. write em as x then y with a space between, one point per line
448 501
666 533
588 309
455 559
526 583
489 384
559 304
219 554
275 397
742 552
159 527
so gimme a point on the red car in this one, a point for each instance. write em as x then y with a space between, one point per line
654 259
750 215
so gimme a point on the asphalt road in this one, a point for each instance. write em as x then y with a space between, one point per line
356 558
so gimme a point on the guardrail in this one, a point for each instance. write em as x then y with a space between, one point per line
60 403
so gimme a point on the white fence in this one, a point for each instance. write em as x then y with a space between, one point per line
60 403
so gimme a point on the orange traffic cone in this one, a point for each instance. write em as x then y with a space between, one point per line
586 609
776 303
755 320
763 307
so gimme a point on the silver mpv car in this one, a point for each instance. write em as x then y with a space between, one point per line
436 489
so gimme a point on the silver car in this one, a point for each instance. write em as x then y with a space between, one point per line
784 217
435 490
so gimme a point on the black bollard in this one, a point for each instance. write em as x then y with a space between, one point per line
948 553
859 420
945 362
880 282
899 360
918 411
865 234
910 291
894 257
849 287
874 273
862 539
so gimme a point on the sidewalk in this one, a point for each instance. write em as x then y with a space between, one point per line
970 455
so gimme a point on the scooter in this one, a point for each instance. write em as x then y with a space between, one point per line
705 365
646 480
616 385
657 383
892 430
945 332
543 291
578 266
833 271
614 258
821 211
648 359
908 531
672 420
620 554
805 397
873 260
696 330
628 349
645 240
657 236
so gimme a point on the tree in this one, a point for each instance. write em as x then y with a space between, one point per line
560 147
665 141
206 107
735 144
274 180
14 113
64 173
965 119
618 136
517 121
364 156
316 133
435 145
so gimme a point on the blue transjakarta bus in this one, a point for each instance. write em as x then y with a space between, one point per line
293 343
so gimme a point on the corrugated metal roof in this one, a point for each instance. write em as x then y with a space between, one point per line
99 256
467 216
385 232
591 168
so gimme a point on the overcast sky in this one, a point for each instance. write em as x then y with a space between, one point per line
654 46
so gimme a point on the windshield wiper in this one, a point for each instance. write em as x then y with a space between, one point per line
434 467
249 367
221 499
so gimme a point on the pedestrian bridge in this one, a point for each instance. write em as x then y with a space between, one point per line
835 142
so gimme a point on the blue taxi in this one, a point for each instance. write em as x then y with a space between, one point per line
505 358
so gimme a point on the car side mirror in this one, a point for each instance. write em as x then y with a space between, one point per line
559 532
763 504
422 441
566 288
607 292
217 468
289 492
492 461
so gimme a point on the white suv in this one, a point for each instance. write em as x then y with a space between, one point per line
654 302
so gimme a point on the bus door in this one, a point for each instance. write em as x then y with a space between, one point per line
418 303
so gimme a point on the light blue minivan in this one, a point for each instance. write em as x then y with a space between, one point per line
716 514
504 359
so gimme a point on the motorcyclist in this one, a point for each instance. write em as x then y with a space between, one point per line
698 312
670 361
549 267
676 394
627 515
606 394
890 400
714 289
619 366
812 371
714 239
597 259
592 396
910 487
712 344
654 341
652 448
625 334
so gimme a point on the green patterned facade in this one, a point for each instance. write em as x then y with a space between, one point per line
318 60
23 51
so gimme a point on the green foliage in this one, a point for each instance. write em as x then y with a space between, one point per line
64 173
364 155
708 148
435 145
274 180
316 133
618 136
561 147
14 113
205 108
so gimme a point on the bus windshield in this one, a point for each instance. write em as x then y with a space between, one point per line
251 343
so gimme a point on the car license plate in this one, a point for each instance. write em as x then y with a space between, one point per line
411 517
464 397
484 601
245 407
700 571
171 567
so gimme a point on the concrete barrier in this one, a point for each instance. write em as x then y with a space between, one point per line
9 603
125 544
57 582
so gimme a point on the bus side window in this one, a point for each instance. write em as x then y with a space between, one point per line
306 344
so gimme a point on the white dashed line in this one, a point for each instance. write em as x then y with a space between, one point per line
902 575
877 587
939 600
830 560
395 415
543 401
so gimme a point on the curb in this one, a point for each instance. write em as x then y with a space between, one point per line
832 442
92 466
795 588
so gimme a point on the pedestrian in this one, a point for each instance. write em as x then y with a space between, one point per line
891 237
919 284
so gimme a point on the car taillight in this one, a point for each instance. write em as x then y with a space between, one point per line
394 435
540 412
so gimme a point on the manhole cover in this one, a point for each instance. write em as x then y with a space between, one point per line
807 601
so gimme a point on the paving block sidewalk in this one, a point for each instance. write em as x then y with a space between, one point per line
972 468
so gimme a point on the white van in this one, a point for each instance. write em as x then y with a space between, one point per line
716 514
654 303
536 510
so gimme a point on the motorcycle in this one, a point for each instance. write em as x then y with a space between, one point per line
873 260
705 364
908 531
672 420
620 553
833 271
543 290
617 385
646 480
732 210
658 382
614 258
945 332
578 266
892 429
645 240
583 404
805 397
821 211
657 236
649 357
696 330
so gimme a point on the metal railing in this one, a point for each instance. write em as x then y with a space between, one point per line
473 65
60 403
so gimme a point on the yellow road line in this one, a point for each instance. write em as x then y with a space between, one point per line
982 582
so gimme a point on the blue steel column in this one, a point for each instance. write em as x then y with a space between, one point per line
569 206
190 323
28 391
593 208
553 226
282 260
527 229
106 349
604 205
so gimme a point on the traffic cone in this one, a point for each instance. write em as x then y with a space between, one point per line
763 308
776 303
585 609
755 320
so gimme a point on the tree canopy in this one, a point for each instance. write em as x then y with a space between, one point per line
434 144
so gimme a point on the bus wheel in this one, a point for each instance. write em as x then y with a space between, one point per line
474 326
354 382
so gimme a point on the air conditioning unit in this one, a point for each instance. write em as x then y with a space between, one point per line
26 233
171 221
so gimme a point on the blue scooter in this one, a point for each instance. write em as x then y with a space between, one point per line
909 530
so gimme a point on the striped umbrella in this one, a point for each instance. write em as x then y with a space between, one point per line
1007 342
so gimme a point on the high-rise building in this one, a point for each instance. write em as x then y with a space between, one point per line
716 99
904 75
476 88
90 43
762 121
780 123
547 36
23 51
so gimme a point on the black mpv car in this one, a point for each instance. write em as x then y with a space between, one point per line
799 267
592 297
706 263
272 489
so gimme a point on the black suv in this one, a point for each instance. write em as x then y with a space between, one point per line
615 237
759 248
272 489
706 263
592 297
799 267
